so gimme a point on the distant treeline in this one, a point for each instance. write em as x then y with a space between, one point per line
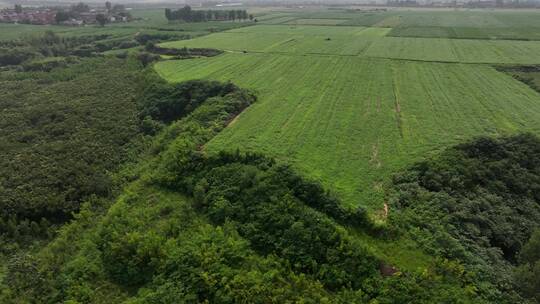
186 14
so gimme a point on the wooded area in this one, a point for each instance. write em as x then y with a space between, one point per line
187 14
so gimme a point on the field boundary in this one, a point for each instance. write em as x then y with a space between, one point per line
372 57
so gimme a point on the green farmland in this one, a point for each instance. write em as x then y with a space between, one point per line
445 23
367 42
350 122
350 105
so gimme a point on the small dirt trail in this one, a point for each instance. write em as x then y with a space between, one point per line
375 156
397 105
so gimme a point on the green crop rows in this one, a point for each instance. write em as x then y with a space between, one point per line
365 42
350 122
350 105
463 23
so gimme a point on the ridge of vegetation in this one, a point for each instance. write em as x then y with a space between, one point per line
257 231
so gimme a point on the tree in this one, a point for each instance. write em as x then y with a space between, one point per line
117 8
250 17
101 19
61 16
18 8
530 253
528 274
186 14
147 58
108 6
80 8
50 38
238 14
209 15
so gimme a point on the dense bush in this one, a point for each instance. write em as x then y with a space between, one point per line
52 45
527 275
167 102
186 14
183 53
256 197
48 64
62 132
477 203
15 56
144 38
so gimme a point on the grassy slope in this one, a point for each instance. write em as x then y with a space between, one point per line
335 117
365 42
351 122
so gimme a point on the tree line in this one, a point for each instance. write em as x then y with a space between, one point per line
186 14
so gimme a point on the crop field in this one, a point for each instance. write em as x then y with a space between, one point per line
289 39
510 33
314 21
365 42
350 105
350 122
304 154
456 50
464 24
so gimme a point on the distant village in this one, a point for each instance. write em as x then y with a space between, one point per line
76 15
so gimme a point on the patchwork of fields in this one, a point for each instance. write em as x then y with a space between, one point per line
365 42
464 23
349 105
350 122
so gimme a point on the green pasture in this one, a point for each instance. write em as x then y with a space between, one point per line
351 122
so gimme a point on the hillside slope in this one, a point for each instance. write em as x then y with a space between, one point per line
351 122
229 227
